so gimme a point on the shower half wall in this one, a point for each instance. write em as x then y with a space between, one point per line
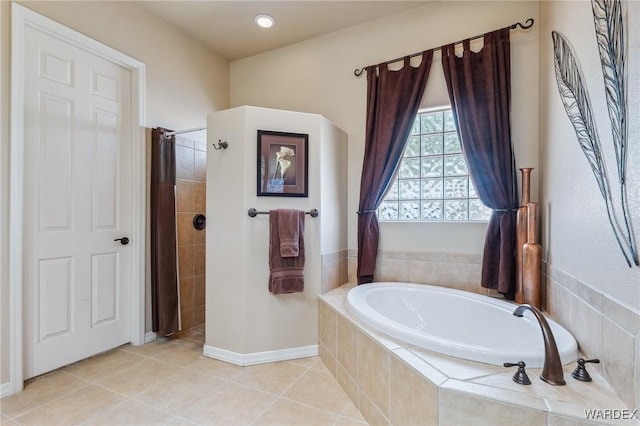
245 323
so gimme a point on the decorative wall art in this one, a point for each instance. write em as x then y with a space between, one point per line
282 164
609 21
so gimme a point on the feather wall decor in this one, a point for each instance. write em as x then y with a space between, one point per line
608 19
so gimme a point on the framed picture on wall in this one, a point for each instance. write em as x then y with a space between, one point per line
283 162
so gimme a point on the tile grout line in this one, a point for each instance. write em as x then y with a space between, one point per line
315 408
279 396
50 401
65 370
97 381
87 384
310 367
189 403
104 410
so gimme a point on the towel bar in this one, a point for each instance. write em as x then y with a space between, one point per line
253 212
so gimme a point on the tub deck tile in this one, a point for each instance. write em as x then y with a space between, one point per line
456 368
496 394
421 366
574 392
468 392
564 412
462 408
412 399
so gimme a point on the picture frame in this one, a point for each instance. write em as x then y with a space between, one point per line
283 162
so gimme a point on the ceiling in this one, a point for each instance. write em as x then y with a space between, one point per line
227 27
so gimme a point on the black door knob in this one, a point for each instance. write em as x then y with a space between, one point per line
124 240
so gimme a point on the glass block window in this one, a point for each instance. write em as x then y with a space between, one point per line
432 183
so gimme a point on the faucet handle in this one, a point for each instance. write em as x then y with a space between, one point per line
520 377
581 373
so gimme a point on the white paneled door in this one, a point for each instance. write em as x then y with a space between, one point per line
77 203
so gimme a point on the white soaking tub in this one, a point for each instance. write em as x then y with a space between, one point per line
457 323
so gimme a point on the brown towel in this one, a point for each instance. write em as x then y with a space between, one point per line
289 232
286 273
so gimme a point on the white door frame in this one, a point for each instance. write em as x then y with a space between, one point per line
21 19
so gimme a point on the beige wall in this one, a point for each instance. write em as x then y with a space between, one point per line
241 315
577 234
317 76
185 81
590 289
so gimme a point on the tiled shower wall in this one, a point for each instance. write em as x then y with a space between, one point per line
191 176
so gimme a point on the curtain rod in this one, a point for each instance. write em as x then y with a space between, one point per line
529 23
195 129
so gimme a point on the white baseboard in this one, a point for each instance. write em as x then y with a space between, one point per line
259 357
149 337
5 389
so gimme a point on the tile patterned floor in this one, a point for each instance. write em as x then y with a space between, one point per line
171 383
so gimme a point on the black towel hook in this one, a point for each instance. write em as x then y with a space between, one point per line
221 145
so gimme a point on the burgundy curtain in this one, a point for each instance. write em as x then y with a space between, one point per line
164 265
479 87
393 98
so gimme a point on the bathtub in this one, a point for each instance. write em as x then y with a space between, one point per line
457 323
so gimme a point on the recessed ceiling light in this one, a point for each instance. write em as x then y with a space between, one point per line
264 20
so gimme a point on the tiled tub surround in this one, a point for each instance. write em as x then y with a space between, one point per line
461 271
603 327
394 383
334 270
